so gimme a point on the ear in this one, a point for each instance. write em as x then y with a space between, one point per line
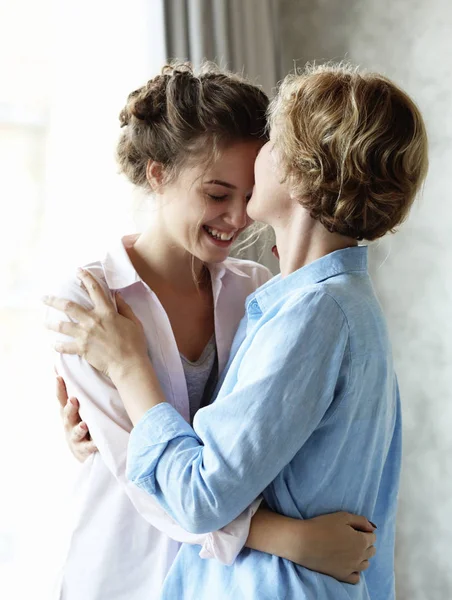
155 175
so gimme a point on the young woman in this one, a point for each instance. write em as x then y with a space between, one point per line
192 141
308 411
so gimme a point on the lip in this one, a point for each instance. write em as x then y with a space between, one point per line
220 243
228 231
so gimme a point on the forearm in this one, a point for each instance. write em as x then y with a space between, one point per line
138 387
278 535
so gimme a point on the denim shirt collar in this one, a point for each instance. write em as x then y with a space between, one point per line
335 263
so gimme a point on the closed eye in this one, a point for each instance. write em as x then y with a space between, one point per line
217 198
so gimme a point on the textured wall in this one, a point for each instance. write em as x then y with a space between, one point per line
411 42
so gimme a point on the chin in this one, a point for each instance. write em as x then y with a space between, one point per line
209 256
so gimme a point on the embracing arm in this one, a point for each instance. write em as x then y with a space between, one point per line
330 544
335 544
269 405
103 412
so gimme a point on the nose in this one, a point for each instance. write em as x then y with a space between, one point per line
236 216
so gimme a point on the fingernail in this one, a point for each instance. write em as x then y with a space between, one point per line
373 524
73 401
84 426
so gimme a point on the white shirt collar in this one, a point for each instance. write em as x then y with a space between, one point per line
120 272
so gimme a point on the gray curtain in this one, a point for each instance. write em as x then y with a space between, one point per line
241 35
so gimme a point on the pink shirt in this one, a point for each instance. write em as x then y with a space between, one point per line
123 542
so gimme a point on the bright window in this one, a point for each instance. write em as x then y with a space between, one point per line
67 68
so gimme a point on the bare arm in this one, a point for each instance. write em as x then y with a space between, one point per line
339 544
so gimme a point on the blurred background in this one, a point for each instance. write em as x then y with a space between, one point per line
65 71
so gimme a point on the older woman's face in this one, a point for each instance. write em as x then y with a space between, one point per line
271 201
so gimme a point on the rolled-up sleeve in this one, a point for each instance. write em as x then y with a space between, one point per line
278 389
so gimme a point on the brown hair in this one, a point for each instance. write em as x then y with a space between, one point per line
180 115
352 146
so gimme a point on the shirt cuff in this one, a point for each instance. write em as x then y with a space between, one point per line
148 441
225 545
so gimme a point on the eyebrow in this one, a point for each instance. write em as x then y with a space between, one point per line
223 183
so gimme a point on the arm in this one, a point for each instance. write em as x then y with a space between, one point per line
305 542
336 544
102 410
262 417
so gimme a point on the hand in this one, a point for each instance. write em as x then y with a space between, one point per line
109 340
338 544
75 430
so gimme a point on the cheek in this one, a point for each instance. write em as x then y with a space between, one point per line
191 212
249 219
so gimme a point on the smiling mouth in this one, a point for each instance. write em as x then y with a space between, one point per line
220 236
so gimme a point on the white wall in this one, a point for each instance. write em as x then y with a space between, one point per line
411 42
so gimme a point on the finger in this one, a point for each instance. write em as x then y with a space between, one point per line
353 578
71 413
360 523
88 448
61 392
66 327
71 309
95 291
67 348
79 432
125 310
364 565
370 552
367 539
83 450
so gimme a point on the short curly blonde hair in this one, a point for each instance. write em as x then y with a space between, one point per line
352 147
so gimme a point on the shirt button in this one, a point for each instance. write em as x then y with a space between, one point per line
253 306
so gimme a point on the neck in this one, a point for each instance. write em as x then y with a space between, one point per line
158 260
302 240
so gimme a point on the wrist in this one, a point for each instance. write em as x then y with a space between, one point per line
133 366
301 538
138 386
279 535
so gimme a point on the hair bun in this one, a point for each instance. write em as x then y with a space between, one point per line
178 68
180 114
147 104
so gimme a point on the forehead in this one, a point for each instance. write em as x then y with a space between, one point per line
234 164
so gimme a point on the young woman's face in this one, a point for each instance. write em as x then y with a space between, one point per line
271 201
203 211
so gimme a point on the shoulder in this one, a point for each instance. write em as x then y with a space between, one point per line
70 288
255 271
312 311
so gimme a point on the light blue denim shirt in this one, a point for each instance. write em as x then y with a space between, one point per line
308 414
